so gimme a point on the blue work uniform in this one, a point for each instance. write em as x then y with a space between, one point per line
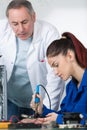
74 101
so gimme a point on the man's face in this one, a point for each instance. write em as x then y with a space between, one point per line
21 22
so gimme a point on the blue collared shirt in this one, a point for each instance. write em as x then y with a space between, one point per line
74 101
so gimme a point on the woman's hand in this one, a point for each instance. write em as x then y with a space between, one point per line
33 105
27 120
48 119
44 121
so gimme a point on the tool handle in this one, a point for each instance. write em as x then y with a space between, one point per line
37 100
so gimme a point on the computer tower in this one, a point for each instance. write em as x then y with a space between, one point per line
3 91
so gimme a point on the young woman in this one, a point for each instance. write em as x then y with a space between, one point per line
68 58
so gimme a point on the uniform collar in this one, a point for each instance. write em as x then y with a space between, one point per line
83 84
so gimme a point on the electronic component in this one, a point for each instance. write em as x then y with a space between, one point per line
4 124
71 118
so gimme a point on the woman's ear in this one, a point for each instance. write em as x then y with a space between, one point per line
70 55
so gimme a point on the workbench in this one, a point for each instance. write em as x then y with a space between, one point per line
50 129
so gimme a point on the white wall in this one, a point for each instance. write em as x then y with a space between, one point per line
66 15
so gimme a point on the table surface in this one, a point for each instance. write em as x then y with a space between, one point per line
45 127
49 129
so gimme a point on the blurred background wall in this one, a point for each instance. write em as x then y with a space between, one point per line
66 15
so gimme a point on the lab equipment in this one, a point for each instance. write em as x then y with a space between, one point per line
3 91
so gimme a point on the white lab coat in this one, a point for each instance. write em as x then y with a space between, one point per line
38 69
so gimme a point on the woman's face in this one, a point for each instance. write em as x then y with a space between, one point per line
61 65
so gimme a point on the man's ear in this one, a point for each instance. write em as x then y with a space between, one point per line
34 17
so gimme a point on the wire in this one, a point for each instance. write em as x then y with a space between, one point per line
47 94
13 117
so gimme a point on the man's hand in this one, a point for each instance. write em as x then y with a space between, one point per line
33 105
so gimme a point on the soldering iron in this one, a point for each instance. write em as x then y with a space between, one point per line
37 101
